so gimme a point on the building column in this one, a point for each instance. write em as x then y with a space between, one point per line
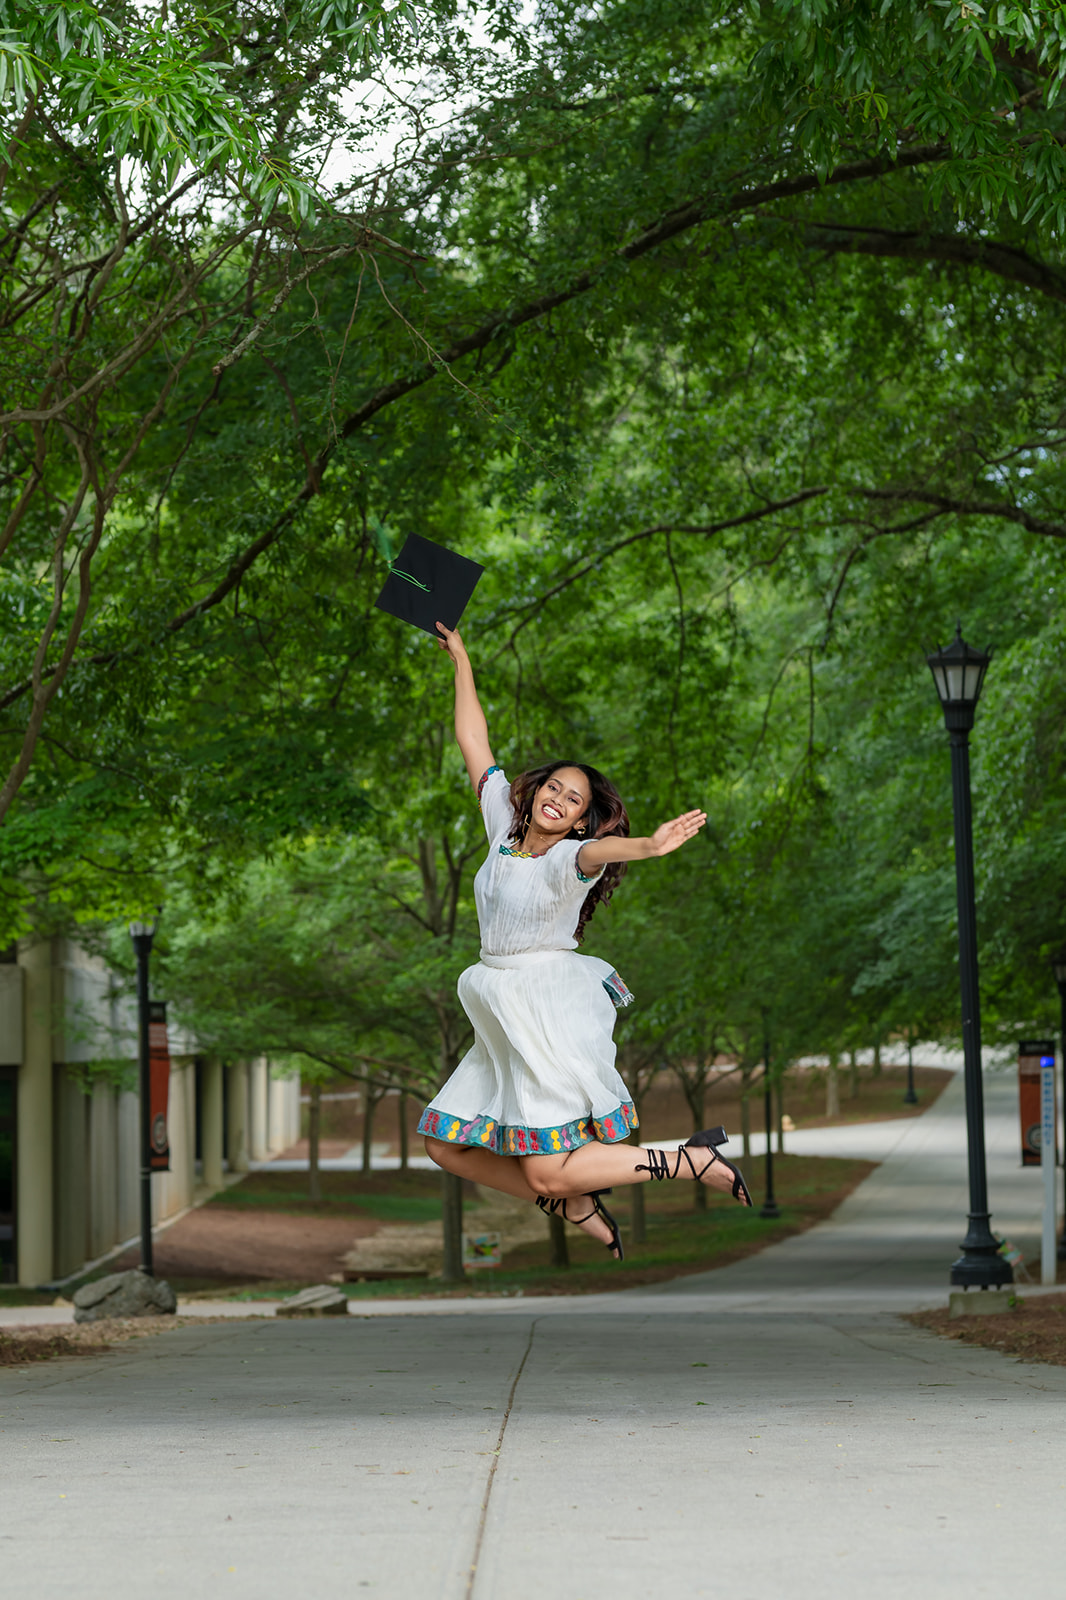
35 1177
237 1089
259 1109
211 1122
278 1125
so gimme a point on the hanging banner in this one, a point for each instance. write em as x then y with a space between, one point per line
159 1086
1031 1054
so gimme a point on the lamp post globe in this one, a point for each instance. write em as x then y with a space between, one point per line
1058 967
959 674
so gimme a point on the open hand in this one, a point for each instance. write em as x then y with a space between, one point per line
451 642
672 835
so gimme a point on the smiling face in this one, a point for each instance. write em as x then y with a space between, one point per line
561 802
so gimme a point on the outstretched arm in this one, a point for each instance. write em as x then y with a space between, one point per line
471 729
671 836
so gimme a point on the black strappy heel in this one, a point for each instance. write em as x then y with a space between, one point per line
551 1207
658 1163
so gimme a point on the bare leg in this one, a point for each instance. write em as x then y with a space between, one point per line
506 1174
606 1166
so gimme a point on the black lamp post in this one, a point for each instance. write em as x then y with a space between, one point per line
1058 967
142 934
910 1098
959 672
769 1207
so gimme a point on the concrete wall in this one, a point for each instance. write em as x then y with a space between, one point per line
78 1193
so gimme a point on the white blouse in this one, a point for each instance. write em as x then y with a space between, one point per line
525 902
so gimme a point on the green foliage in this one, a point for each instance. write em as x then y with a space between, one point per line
729 338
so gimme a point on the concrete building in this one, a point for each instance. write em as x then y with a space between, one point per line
69 1157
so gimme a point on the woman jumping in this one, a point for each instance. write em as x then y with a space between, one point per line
536 1108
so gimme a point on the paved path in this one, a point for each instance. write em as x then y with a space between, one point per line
769 1430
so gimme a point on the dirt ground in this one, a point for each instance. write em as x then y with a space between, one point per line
216 1245
1034 1331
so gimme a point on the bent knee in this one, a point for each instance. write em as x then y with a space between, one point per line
436 1150
552 1185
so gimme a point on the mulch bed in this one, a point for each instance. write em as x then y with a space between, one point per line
22 1347
1034 1331
216 1244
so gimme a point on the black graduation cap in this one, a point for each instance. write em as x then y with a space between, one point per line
428 584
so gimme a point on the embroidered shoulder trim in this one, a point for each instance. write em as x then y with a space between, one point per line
618 990
483 780
590 877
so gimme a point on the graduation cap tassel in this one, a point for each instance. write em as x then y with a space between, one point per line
383 541
409 579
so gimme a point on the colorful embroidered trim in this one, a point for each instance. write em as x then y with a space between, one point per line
538 855
483 780
618 990
512 1139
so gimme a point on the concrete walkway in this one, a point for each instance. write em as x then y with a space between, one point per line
769 1430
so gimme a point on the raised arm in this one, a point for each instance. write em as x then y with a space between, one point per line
471 729
671 836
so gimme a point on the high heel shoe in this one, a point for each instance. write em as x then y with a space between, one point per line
551 1207
658 1163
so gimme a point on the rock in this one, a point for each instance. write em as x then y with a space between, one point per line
124 1294
322 1301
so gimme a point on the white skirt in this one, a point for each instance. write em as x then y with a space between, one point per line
540 1077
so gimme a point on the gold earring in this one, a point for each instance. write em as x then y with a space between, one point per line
580 828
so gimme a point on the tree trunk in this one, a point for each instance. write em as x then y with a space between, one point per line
451 1186
557 1233
370 1102
314 1129
745 1111
832 1088
638 1221
780 1097
699 1199
877 1058
853 1091
405 1142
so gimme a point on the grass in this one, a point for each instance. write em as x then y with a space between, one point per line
385 1196
680 1239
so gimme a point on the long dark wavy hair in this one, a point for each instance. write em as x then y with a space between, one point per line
606 815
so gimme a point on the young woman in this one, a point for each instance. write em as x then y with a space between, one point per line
536 1108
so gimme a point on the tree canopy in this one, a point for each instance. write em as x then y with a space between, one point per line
728 336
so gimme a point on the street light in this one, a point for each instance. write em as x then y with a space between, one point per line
769 1207
142 934
1058 967
959 673
910 1098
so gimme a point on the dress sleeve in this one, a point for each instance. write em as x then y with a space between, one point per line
563 871
494 798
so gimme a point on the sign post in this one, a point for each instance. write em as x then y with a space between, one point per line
1048 1241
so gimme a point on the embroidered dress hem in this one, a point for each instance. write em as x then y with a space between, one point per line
512 1139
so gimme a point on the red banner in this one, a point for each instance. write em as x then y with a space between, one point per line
159 1080
1030 1054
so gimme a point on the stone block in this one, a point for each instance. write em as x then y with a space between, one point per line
324 1300
981 1302
124 1294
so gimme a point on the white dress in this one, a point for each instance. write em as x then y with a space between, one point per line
540 1077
